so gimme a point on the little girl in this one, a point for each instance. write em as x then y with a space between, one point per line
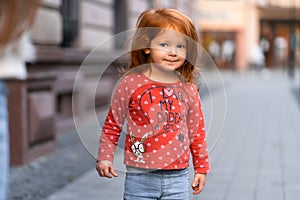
161 107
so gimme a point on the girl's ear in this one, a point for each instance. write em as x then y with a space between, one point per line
147 51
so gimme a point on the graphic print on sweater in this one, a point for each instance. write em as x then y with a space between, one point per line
164 125
161 108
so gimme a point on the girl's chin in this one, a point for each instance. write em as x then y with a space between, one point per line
169 68
167 65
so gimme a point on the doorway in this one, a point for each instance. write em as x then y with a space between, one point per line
277 43
221 46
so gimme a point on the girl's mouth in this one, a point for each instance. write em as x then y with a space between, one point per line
171 61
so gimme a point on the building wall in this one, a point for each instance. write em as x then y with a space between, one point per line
243 18
96 23
227 17
96 20
279 20
278 3
135 7
47 28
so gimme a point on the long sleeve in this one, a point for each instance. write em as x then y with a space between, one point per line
197 134
114 121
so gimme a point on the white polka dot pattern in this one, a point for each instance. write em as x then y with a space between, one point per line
166 122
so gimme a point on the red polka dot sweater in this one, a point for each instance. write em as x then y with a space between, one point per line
164 125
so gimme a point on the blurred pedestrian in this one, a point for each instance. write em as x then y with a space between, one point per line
214 49
16 16
228 49
265 46
162 110
257 58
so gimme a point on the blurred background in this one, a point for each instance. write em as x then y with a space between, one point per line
254 42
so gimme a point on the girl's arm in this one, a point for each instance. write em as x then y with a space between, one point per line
113 124
198 144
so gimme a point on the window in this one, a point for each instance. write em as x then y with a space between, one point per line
70 11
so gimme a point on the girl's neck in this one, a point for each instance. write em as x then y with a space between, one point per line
161 75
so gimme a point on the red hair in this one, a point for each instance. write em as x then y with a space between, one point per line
151 23
15 17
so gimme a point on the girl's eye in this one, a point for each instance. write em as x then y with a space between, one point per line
181 46
164 45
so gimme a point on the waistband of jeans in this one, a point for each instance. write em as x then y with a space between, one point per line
156 171
171 172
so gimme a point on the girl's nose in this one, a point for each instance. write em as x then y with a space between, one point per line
172 51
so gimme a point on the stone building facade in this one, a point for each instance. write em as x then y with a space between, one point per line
251 26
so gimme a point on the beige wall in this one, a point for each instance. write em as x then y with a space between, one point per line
96 20
279 3
47 27
252 30
96 24
135 7
238 16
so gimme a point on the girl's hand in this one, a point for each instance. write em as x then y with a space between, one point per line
198 183
105 169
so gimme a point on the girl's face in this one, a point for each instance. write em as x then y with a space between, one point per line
168 51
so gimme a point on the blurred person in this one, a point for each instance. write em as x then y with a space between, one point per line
160 104
265 46
228 49
281 50
257 58
214 49
16 16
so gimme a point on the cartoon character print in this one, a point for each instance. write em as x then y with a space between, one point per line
158 107
138 148
160 111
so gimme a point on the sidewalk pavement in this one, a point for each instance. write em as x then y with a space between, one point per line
256 156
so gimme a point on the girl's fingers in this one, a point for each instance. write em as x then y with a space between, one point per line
112 171
199 188
196 189
198 183
99 170
101 173
195 183
107 172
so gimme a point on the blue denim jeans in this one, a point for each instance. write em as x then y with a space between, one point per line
4 146
158 185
